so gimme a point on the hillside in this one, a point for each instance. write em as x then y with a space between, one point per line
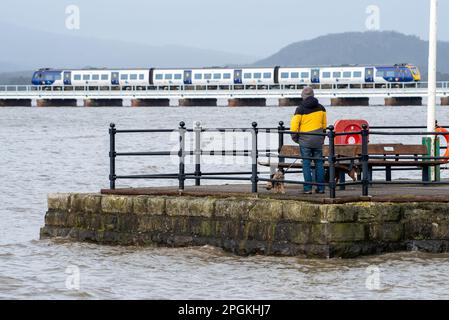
27 49
359 48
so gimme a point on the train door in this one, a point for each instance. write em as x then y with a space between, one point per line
237 76
67 78
315 76
187 76
369 75
115 78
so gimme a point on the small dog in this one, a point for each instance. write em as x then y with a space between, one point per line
351 172
278 186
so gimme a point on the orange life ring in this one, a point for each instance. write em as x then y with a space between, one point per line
446 137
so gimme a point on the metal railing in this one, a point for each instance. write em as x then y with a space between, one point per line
410 86
253 175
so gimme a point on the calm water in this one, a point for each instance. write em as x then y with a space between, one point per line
65 150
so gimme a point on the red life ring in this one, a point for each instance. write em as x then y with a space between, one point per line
446 137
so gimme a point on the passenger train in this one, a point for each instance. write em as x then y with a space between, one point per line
228 76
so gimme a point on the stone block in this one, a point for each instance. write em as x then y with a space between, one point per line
190 207
58 201
117 204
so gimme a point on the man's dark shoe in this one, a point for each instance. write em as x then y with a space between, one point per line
319 191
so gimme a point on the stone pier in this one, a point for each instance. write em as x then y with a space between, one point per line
56 102
197 102
403 101
103 103
445 101
289 102
349 102
15 102
150 102
248 225
247 102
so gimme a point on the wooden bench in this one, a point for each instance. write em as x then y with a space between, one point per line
417 152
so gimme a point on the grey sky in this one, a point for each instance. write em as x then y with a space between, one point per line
254 27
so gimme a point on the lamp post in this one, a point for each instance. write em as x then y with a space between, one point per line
432 77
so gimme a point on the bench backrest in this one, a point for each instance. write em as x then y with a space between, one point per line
397 149
340 150
389 149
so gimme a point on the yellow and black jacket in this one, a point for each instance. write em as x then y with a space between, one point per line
309 117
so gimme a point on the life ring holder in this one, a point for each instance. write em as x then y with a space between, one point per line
446 137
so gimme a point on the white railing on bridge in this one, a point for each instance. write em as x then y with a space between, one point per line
416 89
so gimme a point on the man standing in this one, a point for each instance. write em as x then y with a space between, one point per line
310 117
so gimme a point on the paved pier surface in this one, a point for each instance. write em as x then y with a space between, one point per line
378 193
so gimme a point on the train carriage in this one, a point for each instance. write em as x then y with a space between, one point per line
330 75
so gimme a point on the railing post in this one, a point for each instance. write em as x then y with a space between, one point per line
197 152
181 155
331 160
112 155
254 157
365 159
281 130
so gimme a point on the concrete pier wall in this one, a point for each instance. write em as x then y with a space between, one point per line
56 102
289 102
349 102
246 226
103 103
246 102
197 102
15 102
150 102
398 102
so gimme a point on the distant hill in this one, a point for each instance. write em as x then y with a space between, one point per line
16 78
28 49
370 47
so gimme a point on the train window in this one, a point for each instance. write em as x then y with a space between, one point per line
124 77
133 76
77 77
104 77
347 74
326 74
226 76
357 74
58 76
294 75
380 74
267 75
95 77
247 76
305 75
178 76
217 76
86 77
168 76
208 76
159 77
284 75
141 76
258 75
337 74
198 76
391 74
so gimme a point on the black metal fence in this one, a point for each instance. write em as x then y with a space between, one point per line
254 176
